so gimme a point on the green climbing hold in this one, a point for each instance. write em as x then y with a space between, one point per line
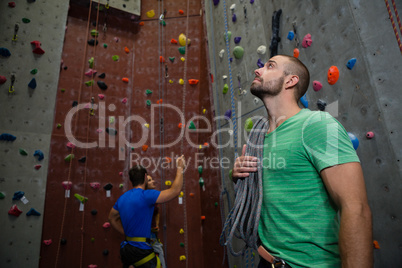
93 239
58 126
115 57
230 173
89 83
104 45
229 35
216 204
182 245
148 103
148 92
225 89
2 195
25 20
192 125
94 33
34 71
238 52
200 170
182 50
171 59
91 62
69 157
201 182
23 152
121 185
163 22
248 125
63 89
81 198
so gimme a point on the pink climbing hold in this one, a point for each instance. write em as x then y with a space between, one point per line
317 85
307 41
95 185
15 211
90 72
47 242
370 135
67 185
70 145
116 39
120 173
106 225
101 96
92 266
124 100
3 79
37 50
37 167
99 130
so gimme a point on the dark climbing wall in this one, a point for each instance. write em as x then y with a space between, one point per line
86 238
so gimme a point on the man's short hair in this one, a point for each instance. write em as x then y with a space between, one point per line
137 175
296 67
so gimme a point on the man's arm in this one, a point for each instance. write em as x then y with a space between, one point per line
115 221
174 191
345 184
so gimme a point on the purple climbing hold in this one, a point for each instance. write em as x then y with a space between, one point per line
260 64
33 212
251 1
5 52
237 39
216 2
228 114
234 18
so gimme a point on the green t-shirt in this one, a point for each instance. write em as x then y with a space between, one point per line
299 222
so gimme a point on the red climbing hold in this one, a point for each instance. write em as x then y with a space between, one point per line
15 211
144 148
296 53
67 185
161 59
141 23
37 49
173 41
159 101
193 81
202 218
376 244
3 79
124 79
37 167
11 4
181 125
181 12
126 50
333 75
120 173
47 242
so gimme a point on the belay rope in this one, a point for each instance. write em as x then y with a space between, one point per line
243 219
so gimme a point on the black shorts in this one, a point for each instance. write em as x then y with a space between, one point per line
130 255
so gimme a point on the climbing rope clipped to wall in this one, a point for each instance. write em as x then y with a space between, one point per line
243 219
398 39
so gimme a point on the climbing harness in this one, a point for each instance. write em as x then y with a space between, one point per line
147 259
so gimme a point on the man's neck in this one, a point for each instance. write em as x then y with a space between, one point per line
279 111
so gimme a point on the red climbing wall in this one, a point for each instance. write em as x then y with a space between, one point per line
86 239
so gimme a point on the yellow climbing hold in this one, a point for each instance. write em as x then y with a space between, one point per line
182 258
181 81
182 40
168 183
151 13
146 125
171 81
181 231
182 59
204 111
181 194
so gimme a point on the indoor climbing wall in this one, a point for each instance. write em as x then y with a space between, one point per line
355 37
30 51
124 83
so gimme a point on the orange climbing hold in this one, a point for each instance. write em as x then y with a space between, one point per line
168 159
144 148
296 52
159 101
141 23
181 125
124 79
202 218
173 41
333 75
375 244
193 81
192 194
161 59
126 50
181 12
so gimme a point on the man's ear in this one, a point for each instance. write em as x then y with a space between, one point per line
291 81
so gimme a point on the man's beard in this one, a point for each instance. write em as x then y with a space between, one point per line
271 88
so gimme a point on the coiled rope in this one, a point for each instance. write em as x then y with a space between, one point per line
243 219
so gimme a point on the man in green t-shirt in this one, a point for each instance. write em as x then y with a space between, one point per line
310 172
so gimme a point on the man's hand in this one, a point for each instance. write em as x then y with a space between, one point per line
181 162
244 165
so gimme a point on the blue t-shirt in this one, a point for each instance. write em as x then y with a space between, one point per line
136 208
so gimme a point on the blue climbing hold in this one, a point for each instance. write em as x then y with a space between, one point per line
304 101
260 64
237 39
7 137
18 195
228 114
251 1
5 52
351 63
33 212
216 2
234 18
32 84
354 140
39 154
291 35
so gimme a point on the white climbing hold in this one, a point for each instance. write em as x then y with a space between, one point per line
225 77
232 7
230 132
261 50
256 100
221 53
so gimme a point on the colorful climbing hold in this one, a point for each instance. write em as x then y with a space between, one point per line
39 154
3 79
125 79
7 137
150 13
181 12
144 148
291 35
200 169
321 105
370 135
182 50
333 75
11 4
238 52
237 39
94 33
58 126
261 49
354 140
108 187
161 59
37 167
18 195
89 83
227 35
115 57
23 152
91 62
173 41
260 64
148 103
192 125
182 258
121 185
90 72
376 244
101 96
307 41
171 59
182 245
124 100
228 114
37 50
193 81
34 71
234 17
159 101
296 53
168 183
181 81
351 63
183 39
126 50
81 198
47 242
248 125
317 85
203 218
304 101
94 185
2 195
14 210
183 59
111 131
33 212
225 89
69 157
5 52
216 2
104 45
181 231
102 85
